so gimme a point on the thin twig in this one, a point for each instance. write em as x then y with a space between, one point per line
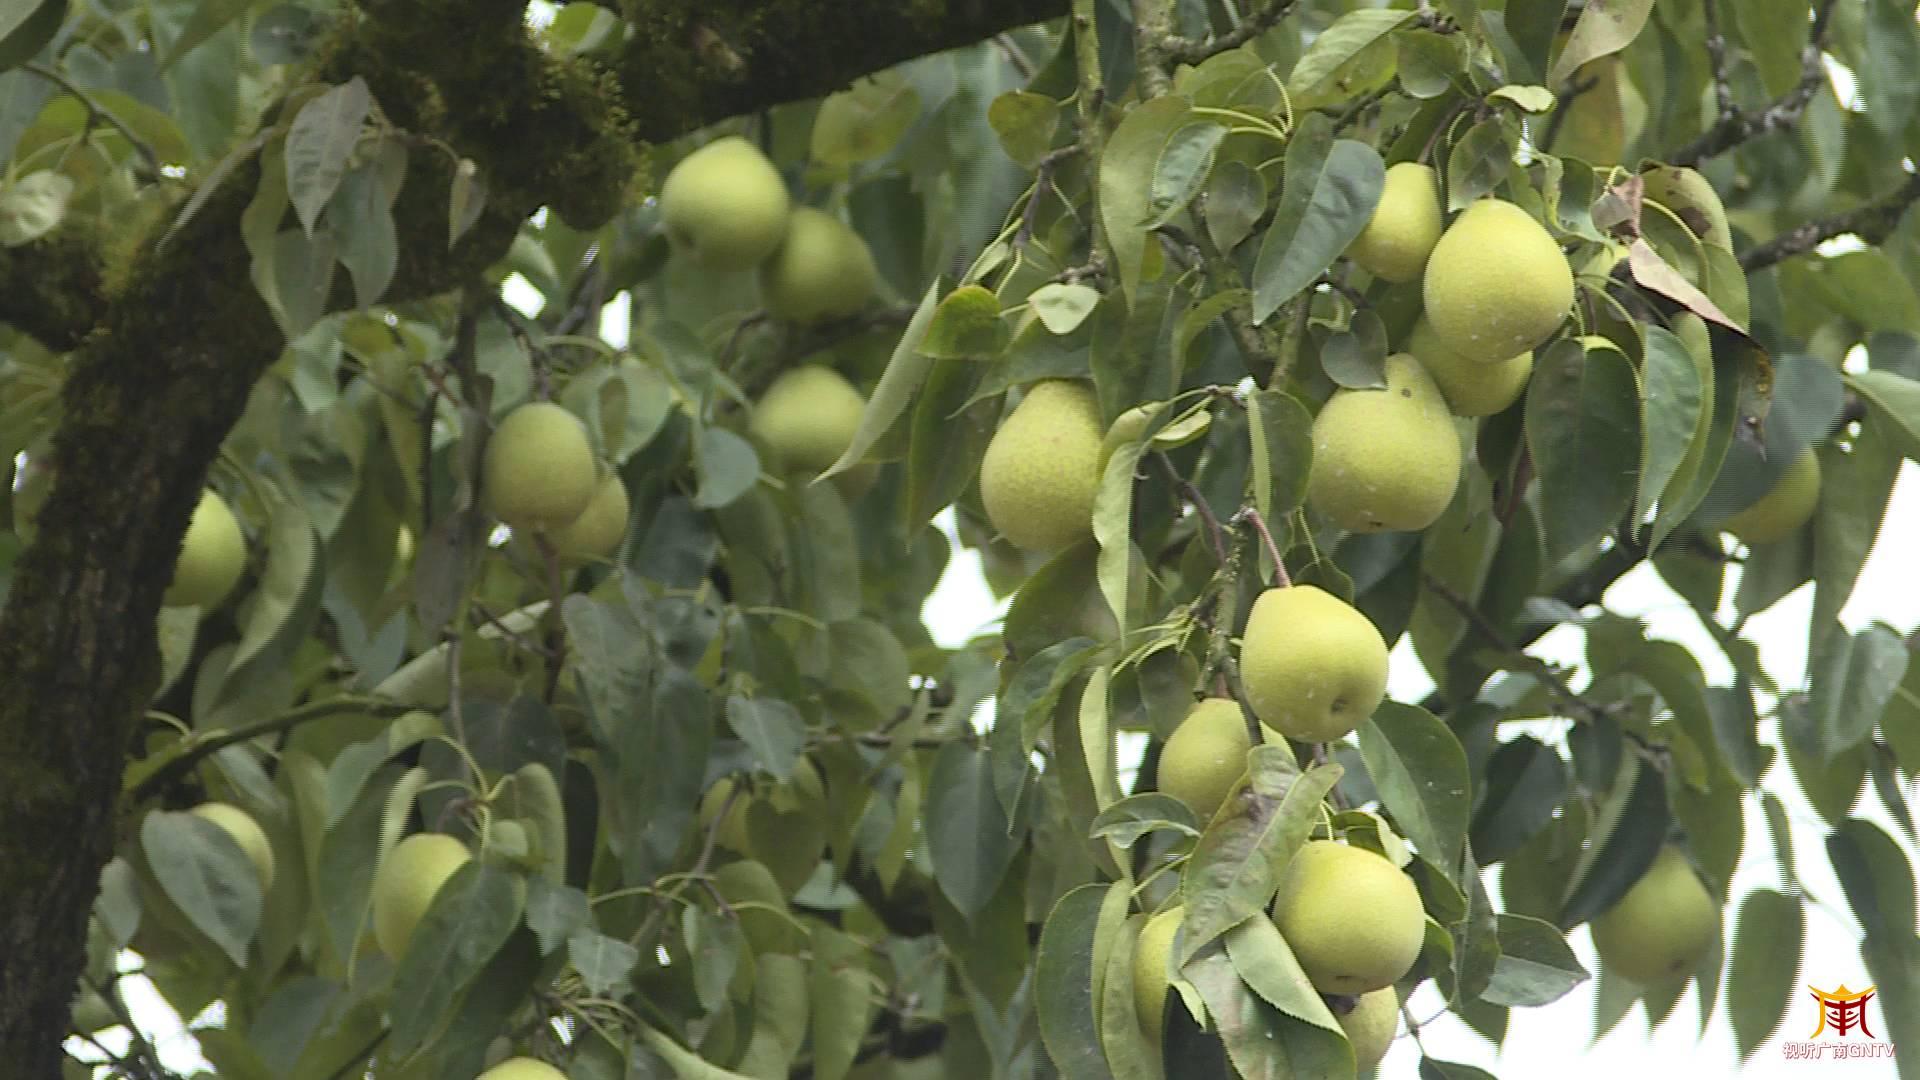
96 113
1090 98
1216 537
1248 513
1257 22
1735 125
1578 707
1872 223
173 770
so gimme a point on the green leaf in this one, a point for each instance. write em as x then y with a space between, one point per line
1063 985
1890 56
467 923
1026 123
1768 936
966 325
320 143
1061 307
1133 817
1128 1051
209 18
1894 399
360 216
25 28
1421 773
555 913
1535 967
1113 531
865 121
1583 427
1262 1042
1854 677
1674 398
1266 962
1479 162
1126 177
896 388
33 206
1526 782
1533 99
207 876
1435 1069
1025 709
715 944
1856 486
772 729
1602 30
1324 204
603 963
968 833
1182 169
841 1002
686 1064
1337 46
727 466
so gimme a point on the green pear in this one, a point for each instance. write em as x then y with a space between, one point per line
598 531
212 556
522 1068
1496 284
406 883
782 827
1370 1025
732 833
539 471
1692 199
1206 756
1042 468
821 271
1312 665
1406 224
1385 458
1151 954
1471 387
725 204
1784 508
1353 920
807 418
1663 927
751 890
247 833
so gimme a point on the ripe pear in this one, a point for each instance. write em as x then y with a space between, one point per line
1385 459
1497 284
725 204
598 531
1691 198
407 881
523 1068
539 471
247 833
1663 927
1150 979
1370 1025
1471 387
1353 919
1312 665
1042 468
1207 755
212 556
1784 508
821 271
807 417
1405 225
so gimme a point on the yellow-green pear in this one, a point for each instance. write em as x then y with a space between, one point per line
1663 927
807 417
539 470
1691 198
821 271
725 204
212 556
1150 980
1784 508
1042 468
1406 224
1313 666
1370 1025
523 1068
407 881
1496 284
1207 755
1353 920
1385 458
1471 387
598 531
247 833
732 833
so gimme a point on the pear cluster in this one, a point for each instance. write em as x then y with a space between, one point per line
539 474
727 207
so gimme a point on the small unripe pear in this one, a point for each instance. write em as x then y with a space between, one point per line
725 204
1206 756
1471 387
1496 284
1784 508
212 556
732 833
1353 920
1313 666
1385 459
522 1068
1691 198
539 471
1663 927
407 881
1150 979
807 417
247 833
1042 468
821 271
1370 1025
598 531
1406 223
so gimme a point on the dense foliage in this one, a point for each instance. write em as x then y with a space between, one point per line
544 674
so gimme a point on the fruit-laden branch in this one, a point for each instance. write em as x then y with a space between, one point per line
1872 223
1736 125
172 354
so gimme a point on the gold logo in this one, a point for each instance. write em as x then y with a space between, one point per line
1843 1010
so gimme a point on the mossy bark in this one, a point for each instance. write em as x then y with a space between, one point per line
169 358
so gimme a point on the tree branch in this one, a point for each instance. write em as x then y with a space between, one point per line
1266 17
1735 125
1872 223
201 749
